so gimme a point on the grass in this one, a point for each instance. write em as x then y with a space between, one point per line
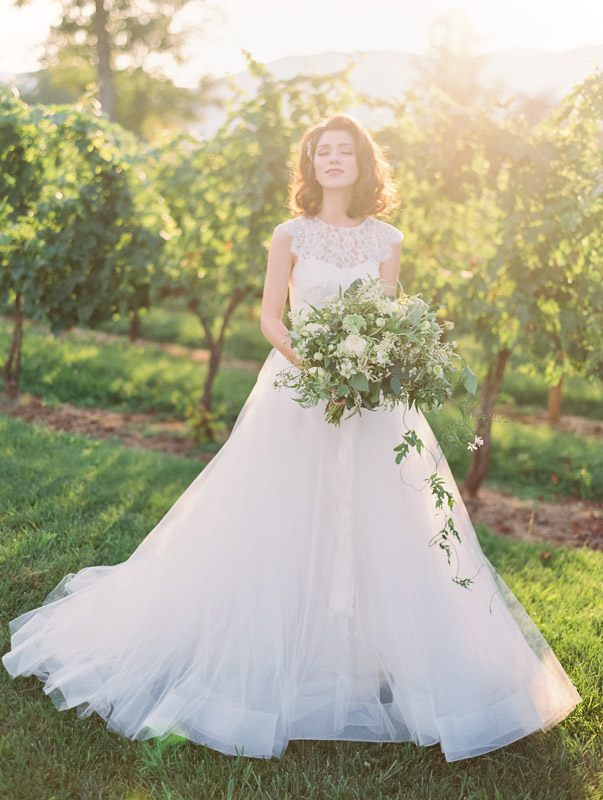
528 393
530 461
121 376
67 502
533 462
174 322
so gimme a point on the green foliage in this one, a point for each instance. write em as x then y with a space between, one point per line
81 225
227 195
504 224
203 425
502 221
147 101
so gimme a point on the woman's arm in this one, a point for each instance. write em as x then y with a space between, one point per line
280 264
390 270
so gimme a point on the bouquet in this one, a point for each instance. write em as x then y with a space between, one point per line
364 349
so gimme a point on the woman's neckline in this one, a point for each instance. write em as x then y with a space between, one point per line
342 227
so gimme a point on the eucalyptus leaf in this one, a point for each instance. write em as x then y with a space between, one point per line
469 380
359 382
396 386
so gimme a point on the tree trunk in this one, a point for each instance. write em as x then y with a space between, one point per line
12 366
134 332
480 458
104 72
554 402
215 357
216 346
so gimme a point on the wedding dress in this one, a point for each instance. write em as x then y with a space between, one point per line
291 592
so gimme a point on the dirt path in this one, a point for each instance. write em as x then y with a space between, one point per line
570 522
143 431
577 426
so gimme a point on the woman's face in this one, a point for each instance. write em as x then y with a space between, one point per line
335 162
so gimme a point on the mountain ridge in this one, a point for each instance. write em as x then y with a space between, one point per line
516 72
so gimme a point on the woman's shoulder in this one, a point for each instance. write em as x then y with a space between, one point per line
387 231
386 236
292 225
295 227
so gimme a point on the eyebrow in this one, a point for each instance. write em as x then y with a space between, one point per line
346 144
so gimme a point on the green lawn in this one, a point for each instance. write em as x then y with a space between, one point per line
173 322
67 502
120 376
533 461
528 393
129 377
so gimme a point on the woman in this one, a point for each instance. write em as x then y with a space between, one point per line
291 592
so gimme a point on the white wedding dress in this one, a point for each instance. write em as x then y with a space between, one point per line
291 592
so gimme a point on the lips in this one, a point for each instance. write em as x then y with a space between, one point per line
334 171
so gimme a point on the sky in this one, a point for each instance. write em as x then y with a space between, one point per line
273 29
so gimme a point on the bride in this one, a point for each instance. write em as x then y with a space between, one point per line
290 592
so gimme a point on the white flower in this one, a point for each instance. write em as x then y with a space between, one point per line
380 322
346 368
318 356
448 325
453 343
353 323
386 305
477 442
319 372
336 306
311 327
354 345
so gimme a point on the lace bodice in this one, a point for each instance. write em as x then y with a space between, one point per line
329 256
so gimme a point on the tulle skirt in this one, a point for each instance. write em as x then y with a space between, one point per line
291 593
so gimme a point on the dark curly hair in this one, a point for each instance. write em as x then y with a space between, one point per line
374 190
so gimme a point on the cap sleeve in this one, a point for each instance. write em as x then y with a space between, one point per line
387 235
295 228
